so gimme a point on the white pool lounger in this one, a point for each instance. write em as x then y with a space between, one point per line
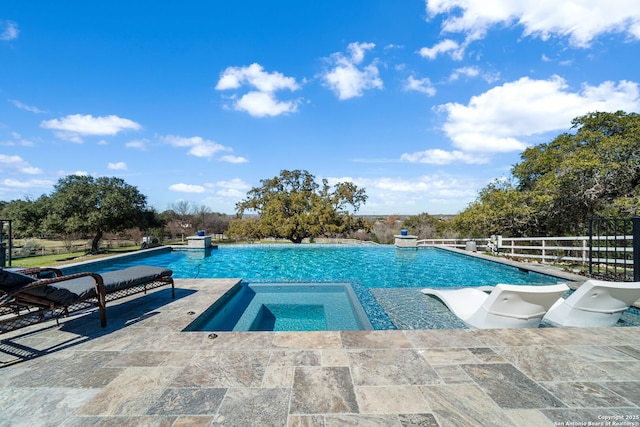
507 306
595 303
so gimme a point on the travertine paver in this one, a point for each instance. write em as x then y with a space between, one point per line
143 369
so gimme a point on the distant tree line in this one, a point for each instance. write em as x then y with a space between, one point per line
87 207
82 205
557 187
185 219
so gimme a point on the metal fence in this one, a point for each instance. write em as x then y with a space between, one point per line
611 250
614 248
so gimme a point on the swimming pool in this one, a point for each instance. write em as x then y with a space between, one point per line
385 279
374 266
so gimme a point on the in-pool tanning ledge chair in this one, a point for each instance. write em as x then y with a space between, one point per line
595 303
507 306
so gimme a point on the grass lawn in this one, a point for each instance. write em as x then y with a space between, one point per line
67 258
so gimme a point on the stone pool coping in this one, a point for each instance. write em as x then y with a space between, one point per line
142 369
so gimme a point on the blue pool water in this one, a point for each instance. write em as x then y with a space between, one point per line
374 266
285 307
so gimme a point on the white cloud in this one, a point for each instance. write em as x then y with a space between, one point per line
17 140
234 189
254 75
346 79
230 193
496 120
71 127
579 20
233 159
445 46
261 102
8 30
197 145
23 106
393 46
420 85
234 184
17 164
69 136
140 144
358 50
221 196
443 157
31 170
89 125
187 188
473 72
206 149
32 183
465 71
119 166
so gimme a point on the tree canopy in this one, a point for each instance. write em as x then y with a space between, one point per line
83 205
27 215
294 206
557 187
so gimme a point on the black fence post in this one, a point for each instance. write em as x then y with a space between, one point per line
3 246
636 248
591 247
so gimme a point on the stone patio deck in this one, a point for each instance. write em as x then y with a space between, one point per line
142 370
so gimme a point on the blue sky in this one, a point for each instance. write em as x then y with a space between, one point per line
420 103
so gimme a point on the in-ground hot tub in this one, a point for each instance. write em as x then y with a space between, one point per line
285 307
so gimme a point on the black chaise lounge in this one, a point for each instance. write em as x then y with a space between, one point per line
29 296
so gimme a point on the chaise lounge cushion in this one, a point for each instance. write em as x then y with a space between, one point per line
66 291
133 276
11 280
81 288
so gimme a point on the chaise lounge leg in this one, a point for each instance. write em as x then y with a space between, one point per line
101 296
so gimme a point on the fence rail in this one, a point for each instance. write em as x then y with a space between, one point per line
546 249
30 249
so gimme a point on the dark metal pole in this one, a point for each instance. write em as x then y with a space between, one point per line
636 249
3 245
591 247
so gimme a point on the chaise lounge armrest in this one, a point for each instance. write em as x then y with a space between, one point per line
40 272
14 283
65 289
19 291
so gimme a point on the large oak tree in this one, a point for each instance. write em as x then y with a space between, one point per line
294 206
83 204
